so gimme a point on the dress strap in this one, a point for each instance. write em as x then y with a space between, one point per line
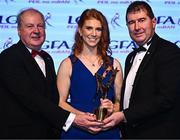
73 58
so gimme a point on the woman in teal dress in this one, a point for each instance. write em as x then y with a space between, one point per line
77 76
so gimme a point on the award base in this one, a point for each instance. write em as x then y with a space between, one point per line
100 113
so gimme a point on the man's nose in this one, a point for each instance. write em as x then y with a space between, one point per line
36 28
136 25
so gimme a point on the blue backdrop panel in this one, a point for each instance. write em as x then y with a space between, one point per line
62 16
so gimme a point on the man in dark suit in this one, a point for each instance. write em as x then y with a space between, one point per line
28 92
150 97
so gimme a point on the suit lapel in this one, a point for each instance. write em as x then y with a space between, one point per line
48 67
146 59
31 66
42 85
129 63
50 79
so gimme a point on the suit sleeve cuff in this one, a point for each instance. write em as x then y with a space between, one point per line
124 120
69 121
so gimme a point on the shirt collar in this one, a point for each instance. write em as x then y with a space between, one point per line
147 45
30 50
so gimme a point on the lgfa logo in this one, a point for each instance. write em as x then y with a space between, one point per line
5 21
72 21
8 43
115 20
114 44
167 22
47 18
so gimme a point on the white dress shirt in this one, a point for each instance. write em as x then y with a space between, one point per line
132 74
41 63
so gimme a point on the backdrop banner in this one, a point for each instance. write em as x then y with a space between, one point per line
61 21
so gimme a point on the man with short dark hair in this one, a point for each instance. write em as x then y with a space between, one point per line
150 93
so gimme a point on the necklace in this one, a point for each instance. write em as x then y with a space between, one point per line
89 60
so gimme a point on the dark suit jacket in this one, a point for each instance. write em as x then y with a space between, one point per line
28 100
154 109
